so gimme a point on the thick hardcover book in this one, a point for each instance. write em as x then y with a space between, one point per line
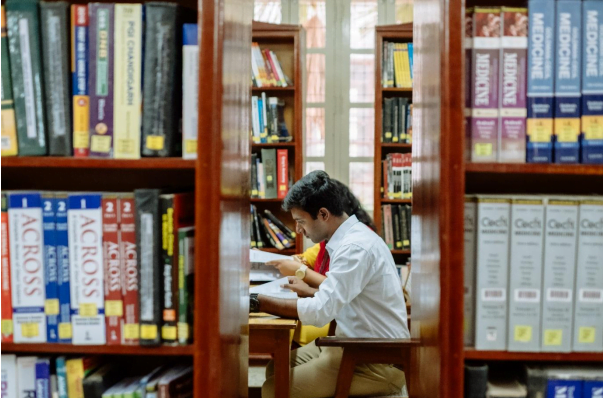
513 85
536 379
43 378
26 377
186 280
129 268
62 242
485 85
148 245
476 381
127 72
77 369
57 88
561 231
98 382
51 274
282 172
492 267
7 306
178 384
593 388
86 268
387 134
568 87
404 228
290 234
270 173
100 82
254 176
388 226
397 222
258 229
190 90
9 376
468 79
525 273
588 310
114 308
61 370
79 76
541 72
26 250
9 128
563 386
470 236
23 21
591 142
162 79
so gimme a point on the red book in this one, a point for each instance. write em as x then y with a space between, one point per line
7 306
385 186
272 67
129 269
282 173
112 264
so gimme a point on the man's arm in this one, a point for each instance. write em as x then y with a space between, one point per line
285 308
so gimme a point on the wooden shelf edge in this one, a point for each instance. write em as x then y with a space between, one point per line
473 354
274 144
97 349
258 200
534 168
285 89
285 252
396 201
395 145
396 90
93 163
396 251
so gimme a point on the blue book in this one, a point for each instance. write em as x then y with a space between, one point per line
570 387
62 242
568 88
591 139
61 368
541 67
43 378
410 59
263 135
51 305
593 388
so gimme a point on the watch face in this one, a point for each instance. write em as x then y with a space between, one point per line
299 274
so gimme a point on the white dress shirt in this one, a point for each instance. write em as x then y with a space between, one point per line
362 291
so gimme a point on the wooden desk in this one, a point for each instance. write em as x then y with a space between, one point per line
270 334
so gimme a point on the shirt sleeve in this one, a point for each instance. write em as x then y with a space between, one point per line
348 275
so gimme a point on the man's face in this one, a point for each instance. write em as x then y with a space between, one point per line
315 230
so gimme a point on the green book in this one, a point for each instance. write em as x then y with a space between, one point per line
269 161
9 132
186 276
23 21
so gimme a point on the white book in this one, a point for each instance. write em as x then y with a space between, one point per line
9 376
27 267
255 119
470 235
26 377
190 91
261 181
86 268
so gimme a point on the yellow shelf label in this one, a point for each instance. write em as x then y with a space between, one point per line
30 330
269 178
399 244
587 334
406 242
190 146
483 149
7 326
155 142
51 307
131 331
183 331
395 139
88 310
148 332
523 333
100 143
169 332
65 330
114 308
553 337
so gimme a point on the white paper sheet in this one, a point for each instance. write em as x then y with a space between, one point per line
258 256
274 289
261 272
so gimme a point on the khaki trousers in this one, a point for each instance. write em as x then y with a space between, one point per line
314 373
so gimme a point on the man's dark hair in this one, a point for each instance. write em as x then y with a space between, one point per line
352 206
314 191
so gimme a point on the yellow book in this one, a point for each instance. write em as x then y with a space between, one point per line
9 128
75 377
398 64
127 101
405 66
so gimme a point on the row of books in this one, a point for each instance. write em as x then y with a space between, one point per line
534 88
270 177
107 81
397 121
266 70
397 176
395 225
533 381
268 231
97 268
88 377
534 273
268 120
397 61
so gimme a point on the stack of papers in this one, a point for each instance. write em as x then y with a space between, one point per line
260 272
274 289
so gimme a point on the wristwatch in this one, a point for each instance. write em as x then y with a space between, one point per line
254 303
301 272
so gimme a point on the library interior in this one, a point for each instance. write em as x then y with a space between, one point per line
253 198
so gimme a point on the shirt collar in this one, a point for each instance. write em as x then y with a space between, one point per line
337 238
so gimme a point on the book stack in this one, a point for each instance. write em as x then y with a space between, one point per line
74 76
268 231
266 70
397 121
397 65
396 226
89 377
110 268
270 177
533 274
397 176
268 121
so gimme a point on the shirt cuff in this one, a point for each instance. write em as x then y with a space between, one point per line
304 311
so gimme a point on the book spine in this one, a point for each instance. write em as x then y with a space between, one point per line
388 233
591 144
396 228
74 369
588 310
61 371
270 234
254 176
63 282
9 128
541 68
186 268
525 274
86 269
592 388
148 244
102 28
112 269
127 102
270 177
43 378
468 79
470 235
169 332
559 275
24 51
280 225
55 52
258 230
564 388
26 377
27 267
279 234
512 102
9 376
51 274
282 173
492 264
79 73
190 91
404 228
6 306
162 84
567 82
129 268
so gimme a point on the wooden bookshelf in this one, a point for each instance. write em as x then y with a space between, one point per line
33 162
287 41
532 168
67 349
397 33
476 355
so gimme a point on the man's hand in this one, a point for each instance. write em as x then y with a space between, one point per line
285 267
300 287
